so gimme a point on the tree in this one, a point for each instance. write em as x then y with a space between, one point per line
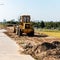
4 20
42 24
49 25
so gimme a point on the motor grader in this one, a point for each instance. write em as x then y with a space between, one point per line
24 26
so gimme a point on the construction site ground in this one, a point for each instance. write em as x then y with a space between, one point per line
40 46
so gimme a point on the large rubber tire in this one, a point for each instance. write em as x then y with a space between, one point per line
31 33
20 32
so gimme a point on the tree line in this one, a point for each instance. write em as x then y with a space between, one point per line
42 24
47 25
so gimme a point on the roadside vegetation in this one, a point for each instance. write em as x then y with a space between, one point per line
49 28
47 25
42 25
2 25
49 32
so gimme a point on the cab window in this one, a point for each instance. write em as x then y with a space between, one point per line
26 19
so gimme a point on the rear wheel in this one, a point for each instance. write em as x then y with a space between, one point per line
20 32
32 33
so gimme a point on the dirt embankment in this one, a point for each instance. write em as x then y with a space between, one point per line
41 47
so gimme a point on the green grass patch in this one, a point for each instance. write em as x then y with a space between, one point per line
49 32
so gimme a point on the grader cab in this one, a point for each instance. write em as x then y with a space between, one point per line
24 26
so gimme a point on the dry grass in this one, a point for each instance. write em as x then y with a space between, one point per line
2 26
52 33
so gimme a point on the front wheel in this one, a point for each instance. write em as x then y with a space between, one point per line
31 33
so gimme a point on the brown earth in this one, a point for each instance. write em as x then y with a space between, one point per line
41 47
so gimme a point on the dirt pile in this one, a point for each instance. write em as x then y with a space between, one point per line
44 51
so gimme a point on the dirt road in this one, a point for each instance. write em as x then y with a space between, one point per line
9 49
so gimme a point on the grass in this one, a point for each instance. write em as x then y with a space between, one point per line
49 32
2 25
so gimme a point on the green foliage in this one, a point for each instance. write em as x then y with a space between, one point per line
42 24
47 25
10 23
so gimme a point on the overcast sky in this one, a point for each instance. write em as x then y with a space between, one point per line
47 10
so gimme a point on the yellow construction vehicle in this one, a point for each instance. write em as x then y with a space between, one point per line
24 26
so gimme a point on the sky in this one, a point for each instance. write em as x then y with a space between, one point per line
46 10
